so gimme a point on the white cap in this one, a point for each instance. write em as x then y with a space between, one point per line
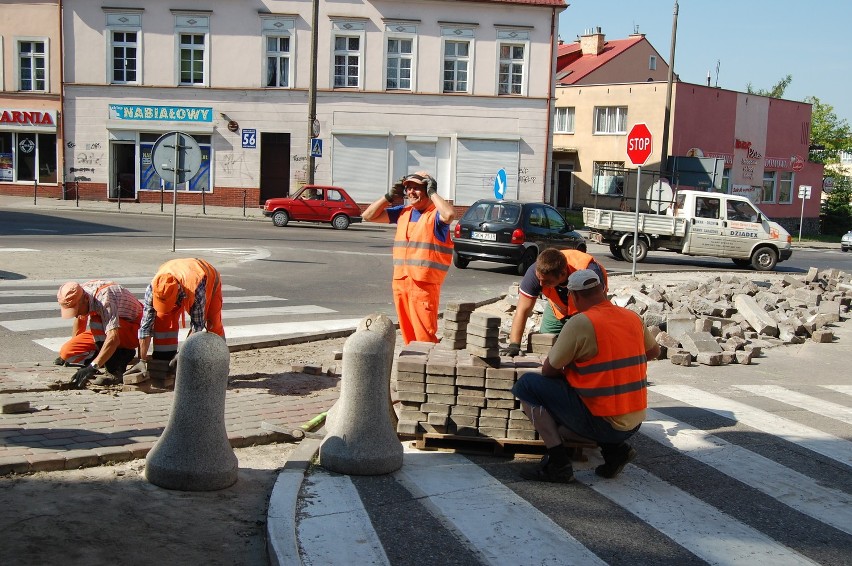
582 279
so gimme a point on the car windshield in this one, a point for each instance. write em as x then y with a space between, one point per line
506 213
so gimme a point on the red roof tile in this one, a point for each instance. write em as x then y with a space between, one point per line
572 65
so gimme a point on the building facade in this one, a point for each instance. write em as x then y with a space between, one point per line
720 140
461 89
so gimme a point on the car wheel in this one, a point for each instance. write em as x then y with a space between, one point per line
340 222
764 259
280 218
844 249
641 250
527 260
616 252
459 261
582 248
742 262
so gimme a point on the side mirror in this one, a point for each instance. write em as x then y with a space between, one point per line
569 227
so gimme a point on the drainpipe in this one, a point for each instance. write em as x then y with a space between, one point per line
548 145
60 124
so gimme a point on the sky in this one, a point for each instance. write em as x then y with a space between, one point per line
755 41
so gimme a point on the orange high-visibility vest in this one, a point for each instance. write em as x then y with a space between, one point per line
417 253
614 381
189 273
576 260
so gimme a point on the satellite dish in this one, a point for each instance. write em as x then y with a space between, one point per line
659 196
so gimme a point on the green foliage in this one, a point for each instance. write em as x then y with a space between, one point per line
829 131
777 91
836 213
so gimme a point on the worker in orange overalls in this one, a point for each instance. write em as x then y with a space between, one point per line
422 252
113 315
593 383
180 285
548 276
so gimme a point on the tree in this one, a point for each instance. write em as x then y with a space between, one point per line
828 132
836 213
776 91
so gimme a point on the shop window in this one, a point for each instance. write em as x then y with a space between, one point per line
609 178
32 65
456 65
150 181
564 121
611 120
27 157
786 182
768 193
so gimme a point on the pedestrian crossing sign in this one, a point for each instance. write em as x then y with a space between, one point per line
316 147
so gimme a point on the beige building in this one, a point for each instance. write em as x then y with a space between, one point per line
459 88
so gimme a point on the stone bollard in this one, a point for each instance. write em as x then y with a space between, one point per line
361 439
193 453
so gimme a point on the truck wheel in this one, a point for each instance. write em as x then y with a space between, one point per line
764 259
616 252
641 250
527 260
459 261
742 262
280 218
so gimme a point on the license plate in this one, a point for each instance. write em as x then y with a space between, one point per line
595 237
484 236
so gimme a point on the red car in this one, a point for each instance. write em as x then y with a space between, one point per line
314 203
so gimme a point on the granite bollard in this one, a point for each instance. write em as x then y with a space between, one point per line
361 439
193 453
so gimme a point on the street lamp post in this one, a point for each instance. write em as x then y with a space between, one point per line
668 112
312 91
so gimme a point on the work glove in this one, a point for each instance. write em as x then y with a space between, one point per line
141 368
431 186
173 365
396 190
84 374
512 350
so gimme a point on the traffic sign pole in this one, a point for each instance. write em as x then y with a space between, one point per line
639 146
804 194
636 225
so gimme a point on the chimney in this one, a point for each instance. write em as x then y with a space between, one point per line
592 42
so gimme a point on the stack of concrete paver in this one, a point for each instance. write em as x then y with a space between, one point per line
483 338
452 392
456 318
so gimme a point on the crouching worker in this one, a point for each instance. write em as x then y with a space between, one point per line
180 286
113 315
593 383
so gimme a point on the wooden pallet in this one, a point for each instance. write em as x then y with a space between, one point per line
493 446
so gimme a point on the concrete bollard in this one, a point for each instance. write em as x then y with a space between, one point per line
193 453
361 439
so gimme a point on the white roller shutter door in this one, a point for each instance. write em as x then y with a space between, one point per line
360 165
477 163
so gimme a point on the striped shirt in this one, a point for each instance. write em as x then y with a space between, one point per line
111 303
196 311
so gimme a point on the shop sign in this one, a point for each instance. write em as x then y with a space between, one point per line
27 118
166 113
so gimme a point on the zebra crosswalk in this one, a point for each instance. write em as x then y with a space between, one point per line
29 316
720 479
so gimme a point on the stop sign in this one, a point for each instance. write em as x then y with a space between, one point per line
639 144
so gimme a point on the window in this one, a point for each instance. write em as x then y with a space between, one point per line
27 156
706 207
726 180
277 61
564 121
611 120
124 53
609 178
347 61
741 211
400 55
192 48
456 65
768 194
32 65
279 43
151 181
785 187
652 63
555 220
510 73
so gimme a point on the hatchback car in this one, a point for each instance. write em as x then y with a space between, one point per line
314 203
846 241
511 232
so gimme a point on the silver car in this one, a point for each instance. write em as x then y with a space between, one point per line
846 241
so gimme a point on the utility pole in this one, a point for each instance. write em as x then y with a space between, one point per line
313 125
668 113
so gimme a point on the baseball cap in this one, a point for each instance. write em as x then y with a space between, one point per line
582 279
164 292
69 296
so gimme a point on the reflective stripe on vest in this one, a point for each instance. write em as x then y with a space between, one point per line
419 254
614 381
576 260
189 273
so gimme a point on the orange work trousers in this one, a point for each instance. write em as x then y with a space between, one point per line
84 346
417 309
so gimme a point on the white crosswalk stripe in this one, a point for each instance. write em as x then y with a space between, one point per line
812 404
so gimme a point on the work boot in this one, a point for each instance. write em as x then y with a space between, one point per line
117 364
59 362
615 456
548 471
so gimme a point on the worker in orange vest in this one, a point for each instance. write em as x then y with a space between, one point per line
180 286
422 252
548 277
113 315
593 383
